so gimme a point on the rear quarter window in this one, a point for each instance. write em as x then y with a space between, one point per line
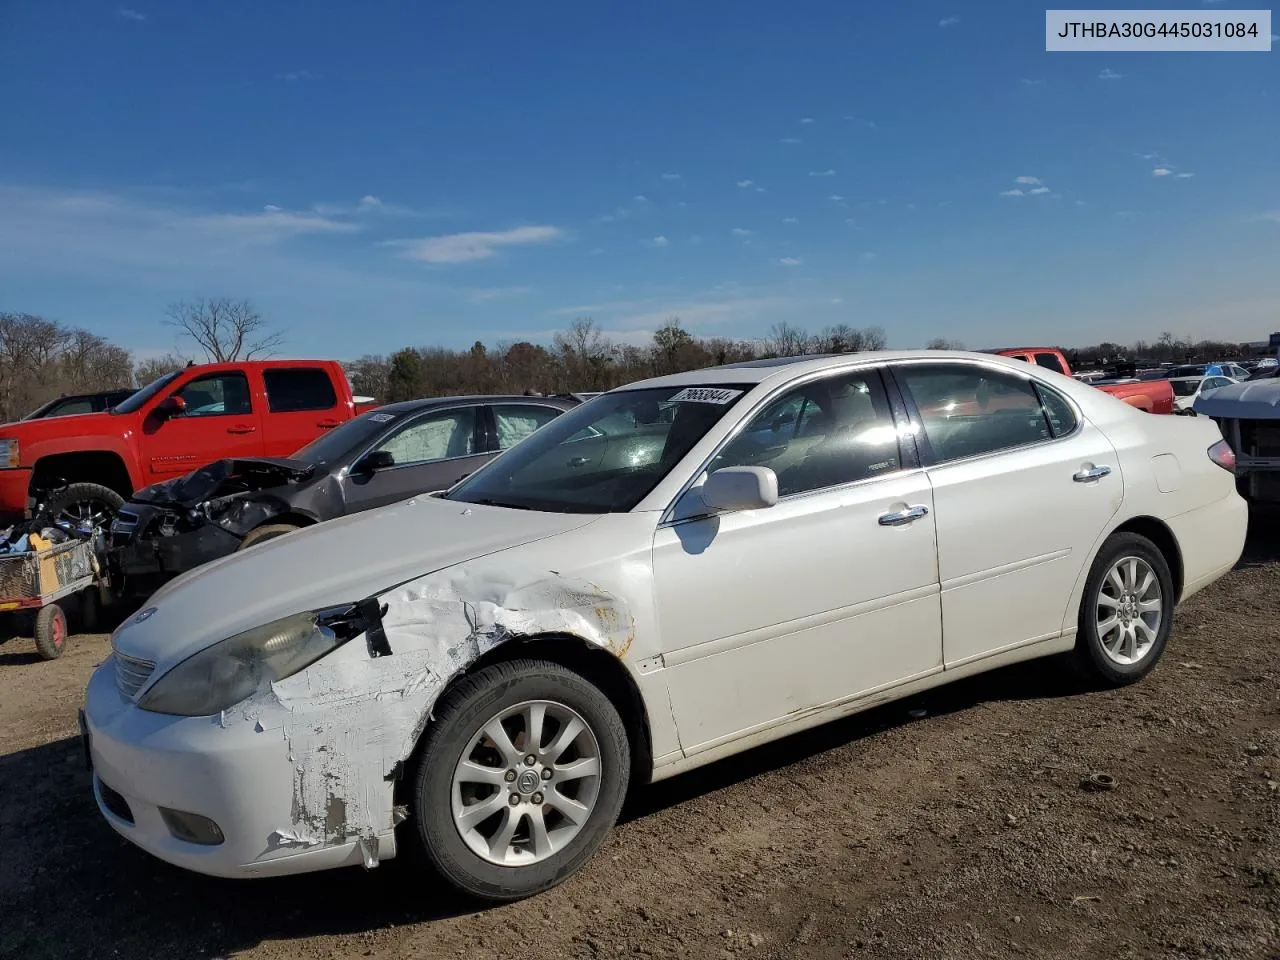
302 388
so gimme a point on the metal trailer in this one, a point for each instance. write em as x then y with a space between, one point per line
40 582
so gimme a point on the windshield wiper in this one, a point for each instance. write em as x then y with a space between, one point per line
491 502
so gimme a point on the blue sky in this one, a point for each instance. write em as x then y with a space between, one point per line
377 174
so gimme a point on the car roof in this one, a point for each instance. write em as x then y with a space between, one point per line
428 403
786 368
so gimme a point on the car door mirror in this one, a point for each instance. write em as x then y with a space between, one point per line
374 461
173 406
740 488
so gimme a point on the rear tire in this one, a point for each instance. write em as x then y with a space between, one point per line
51 632
1126 612
546 817
267 531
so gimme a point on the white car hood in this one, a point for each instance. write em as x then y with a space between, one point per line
1252 400
335 562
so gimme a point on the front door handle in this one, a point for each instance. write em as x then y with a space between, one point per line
1085 474
908 515
578 461
241 428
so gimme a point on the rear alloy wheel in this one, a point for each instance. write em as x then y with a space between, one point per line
1127 611
521 777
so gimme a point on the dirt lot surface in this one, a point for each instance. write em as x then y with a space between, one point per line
964 832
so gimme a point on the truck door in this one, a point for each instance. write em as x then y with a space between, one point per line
219 420
301 404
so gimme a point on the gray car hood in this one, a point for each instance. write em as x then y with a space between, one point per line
1251 400
335 562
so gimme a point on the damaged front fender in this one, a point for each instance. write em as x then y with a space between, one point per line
350 720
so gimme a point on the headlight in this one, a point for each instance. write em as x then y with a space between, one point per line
233 670
8 454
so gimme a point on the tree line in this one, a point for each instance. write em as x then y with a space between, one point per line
41 359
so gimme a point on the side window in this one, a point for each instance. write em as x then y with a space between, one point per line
970 410
437 436
1062 419
1049 361
217 395
306 388
515 422
830 432
71 407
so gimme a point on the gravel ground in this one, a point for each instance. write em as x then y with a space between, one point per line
962 832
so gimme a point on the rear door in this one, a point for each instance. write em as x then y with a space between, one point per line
509 423
432 451
302 403
222 420
1023 486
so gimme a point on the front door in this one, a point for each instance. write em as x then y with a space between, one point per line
831 593
1023 487
432 451
220 421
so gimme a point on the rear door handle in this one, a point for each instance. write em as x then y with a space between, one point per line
326 424
1084 475
241 428
909 515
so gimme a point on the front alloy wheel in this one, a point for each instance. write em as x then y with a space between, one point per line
521 776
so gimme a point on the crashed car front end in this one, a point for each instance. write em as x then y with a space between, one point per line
170 528
1248 415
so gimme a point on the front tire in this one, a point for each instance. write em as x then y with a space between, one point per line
267 532
521 777
85 505
1126 612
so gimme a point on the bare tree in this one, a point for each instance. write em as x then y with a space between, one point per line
942 343
153 368
225 329
785 340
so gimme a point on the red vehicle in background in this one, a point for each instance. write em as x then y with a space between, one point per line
170 427
1153 396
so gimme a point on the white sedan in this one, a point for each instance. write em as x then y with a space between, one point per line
1187 389
674 572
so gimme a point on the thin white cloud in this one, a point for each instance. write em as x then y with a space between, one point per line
1109 74
293 76
1015 192
870 255
273 224
695 238
129 14
1161 172
465 247
948 21
790 261
746 183
671 176
790 220
822 173
1039 190
807 120
790 140
640 198
741 232
869 124
489 294
836 301
1028 82
1028 181
1185 176
836 198
658 241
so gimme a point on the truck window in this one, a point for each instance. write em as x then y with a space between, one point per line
304 388
1050 362
217 395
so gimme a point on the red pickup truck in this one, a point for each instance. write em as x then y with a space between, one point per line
170 427
1153 396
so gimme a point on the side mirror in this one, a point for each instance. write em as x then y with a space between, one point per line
173 406
375 461
740 488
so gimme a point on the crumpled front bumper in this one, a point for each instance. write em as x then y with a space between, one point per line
144 557
237 774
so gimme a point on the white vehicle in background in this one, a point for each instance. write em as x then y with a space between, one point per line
1187 389
677 571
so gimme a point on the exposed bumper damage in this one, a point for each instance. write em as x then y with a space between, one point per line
175 526
326 745
1248 415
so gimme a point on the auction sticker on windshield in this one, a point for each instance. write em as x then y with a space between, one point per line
704 395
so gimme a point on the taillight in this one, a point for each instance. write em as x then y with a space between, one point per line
1222 454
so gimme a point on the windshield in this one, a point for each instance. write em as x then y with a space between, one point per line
334 445
1184 388
146 393
604 456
